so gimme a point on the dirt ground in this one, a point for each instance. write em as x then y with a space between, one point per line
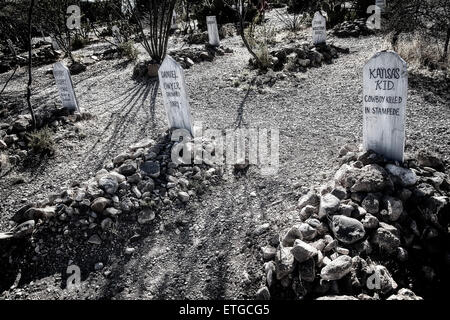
211 249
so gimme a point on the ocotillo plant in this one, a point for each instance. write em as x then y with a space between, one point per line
156 15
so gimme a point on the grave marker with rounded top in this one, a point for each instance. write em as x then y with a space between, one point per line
55 45
381 4
174 24
319 28
65 87
385 86
173 87
213 31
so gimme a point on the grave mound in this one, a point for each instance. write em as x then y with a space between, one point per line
378 230
355 28
96 217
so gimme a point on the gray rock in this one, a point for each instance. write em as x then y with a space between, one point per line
293 234
99 204
307 231
183 196
347 230
129 251
370 222
404 294
402 176
146 216
259 230
263 294
394 207
307 211
337 269
128 168
268 252
329 204
427 159
307 270
98 266
346 210
109 184
118 160
340 192
371 203
150 168
387 238
21 124
303 251
95 239
402 254
330 246
106 224
119 177
269 268
134 178
144 143
381 279
112 212
284 262
370 178
311 198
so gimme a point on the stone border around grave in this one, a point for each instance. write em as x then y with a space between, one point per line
363 235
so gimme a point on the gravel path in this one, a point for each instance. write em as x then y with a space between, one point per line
214 253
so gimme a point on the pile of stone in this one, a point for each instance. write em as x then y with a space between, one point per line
185 57
197 37
378 230
14 135
41 56
190 56
300 57
134 186
355 28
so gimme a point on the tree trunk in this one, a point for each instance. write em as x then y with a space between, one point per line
447 40
30 79
244 39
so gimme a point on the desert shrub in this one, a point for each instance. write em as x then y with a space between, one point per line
291 22
426 17
13 23
259 37
223 10
127 49
41 141
420 50
78 42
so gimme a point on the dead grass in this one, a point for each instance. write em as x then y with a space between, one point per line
420 50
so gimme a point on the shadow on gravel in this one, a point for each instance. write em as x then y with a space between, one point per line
124 122
240 111
424 85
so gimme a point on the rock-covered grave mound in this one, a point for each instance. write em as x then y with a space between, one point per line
378 230
302 56
108 211
187 58
355 28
